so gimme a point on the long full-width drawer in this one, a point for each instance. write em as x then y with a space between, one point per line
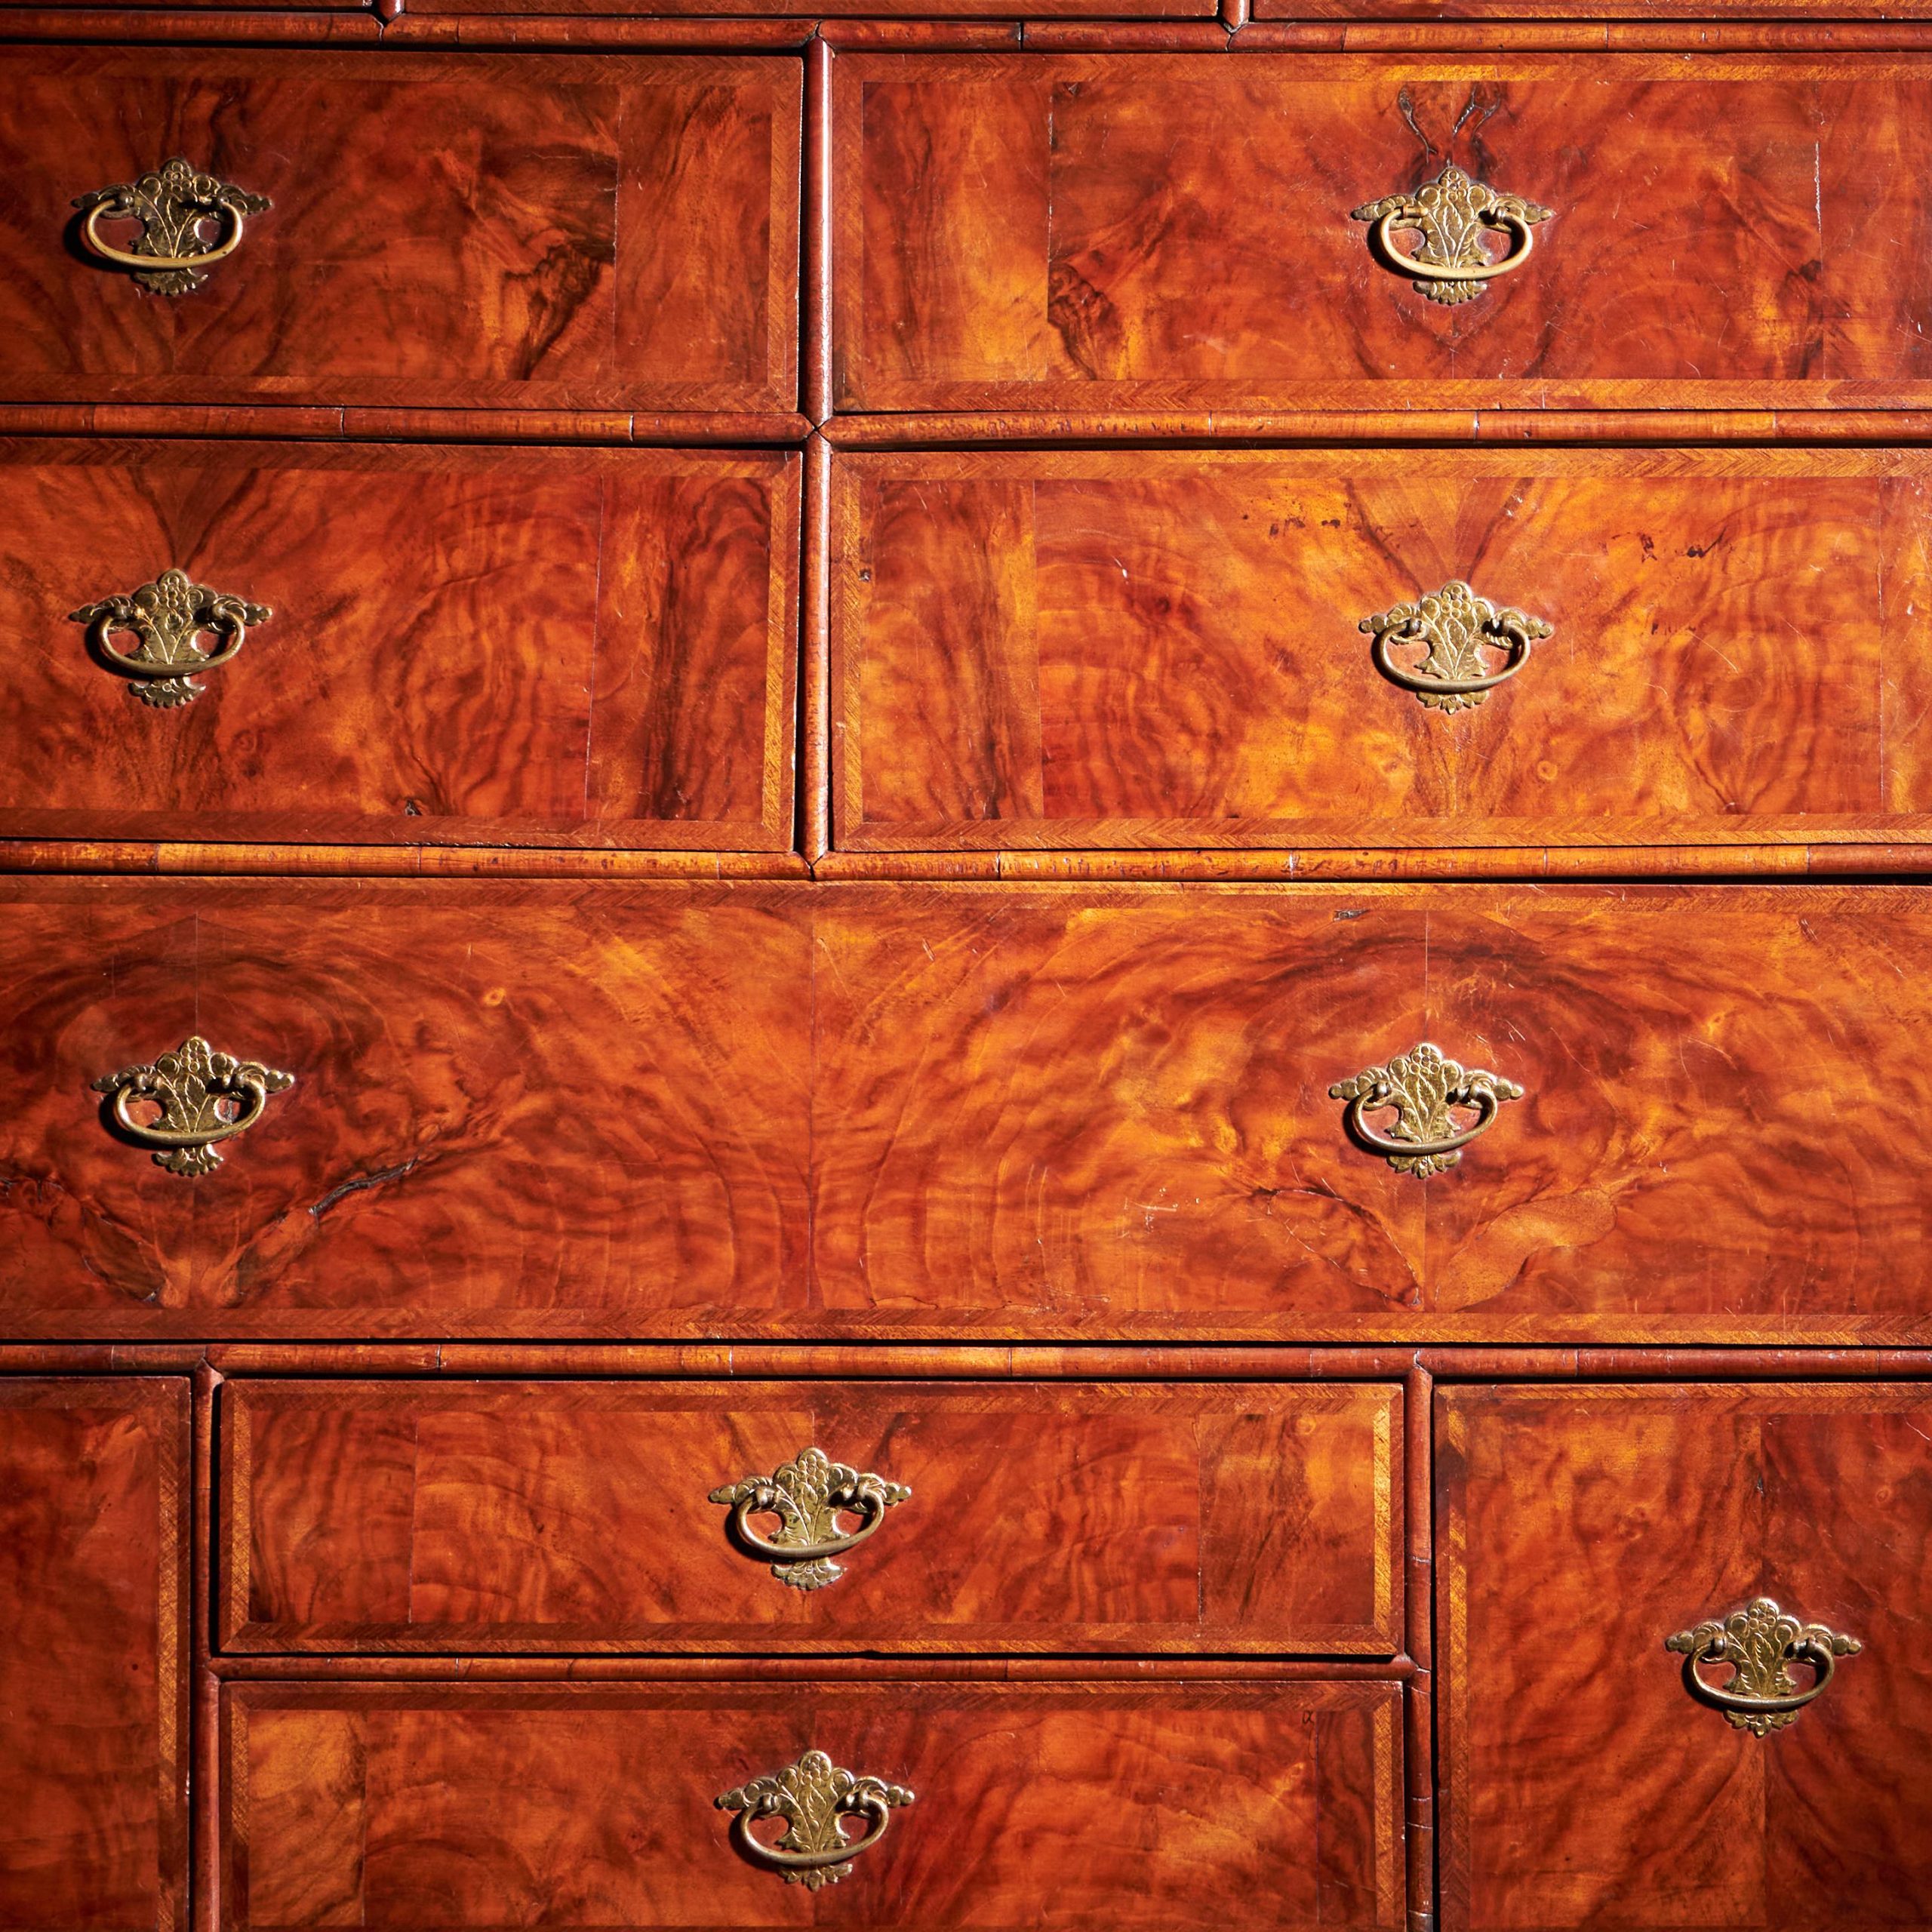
530 1109
1095 232
474 230
572 1515
1686 1636
1169 1806
1187 649
455 645
94 1499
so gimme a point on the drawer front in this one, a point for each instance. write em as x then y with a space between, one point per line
93 1672
580 1515
1466 647
455 646
523 1108
1586 1785
404 1809
1184 232
479 230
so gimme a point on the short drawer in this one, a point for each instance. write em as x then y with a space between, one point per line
1284 1114
1294 231
404 1809
289 642
392 229
579 1515
1601 1551
94 1543
1380 648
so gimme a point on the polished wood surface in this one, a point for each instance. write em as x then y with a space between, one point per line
94 1683
1022 1112
524 232
1172 233
1580 1528
558 1516
1156 1806
470 645
1147 648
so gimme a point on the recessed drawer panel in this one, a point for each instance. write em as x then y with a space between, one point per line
1686 1635
1291 1113
95 1495
1468 647
278 641
402 1810
584 1515
479 230
1293 231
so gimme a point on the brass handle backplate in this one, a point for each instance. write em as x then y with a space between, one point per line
191 1086
171 256
1450 214
1453 625
1761 1643
809 1495
164 618
1422 1086
811 1796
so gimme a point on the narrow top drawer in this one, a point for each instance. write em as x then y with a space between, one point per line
1187 232
452 230
490 1516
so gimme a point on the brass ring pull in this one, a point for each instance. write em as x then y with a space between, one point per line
157 264
1760 1642
1455 625
811 1796
1422 1086
809 1495
191 1086
1449 265
169 257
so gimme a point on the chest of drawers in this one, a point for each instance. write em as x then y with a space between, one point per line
965 973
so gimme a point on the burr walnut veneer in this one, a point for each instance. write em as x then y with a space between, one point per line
917 1007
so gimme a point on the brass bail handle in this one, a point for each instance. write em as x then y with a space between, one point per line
171 204
809 1495
225 212
189 1088
1421 1086
1449 215
1760 1642
812 1796
1523 240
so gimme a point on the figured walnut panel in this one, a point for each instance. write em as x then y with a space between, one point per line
1160 649
1581 1527
93 1688
1143 233
491 231
477 1516
467 646
1168 1806
1015 1111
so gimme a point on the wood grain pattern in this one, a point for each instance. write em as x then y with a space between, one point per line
468 645
1156 233
93 1683
1582 1527
1014 1111
1154 1806
1157 649
574 1516
480 231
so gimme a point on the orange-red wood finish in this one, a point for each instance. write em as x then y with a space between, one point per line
468 645
1153 648
1579 1528
575 1516
1145 1805
94 1684
524 232
1154 233
1057 1112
